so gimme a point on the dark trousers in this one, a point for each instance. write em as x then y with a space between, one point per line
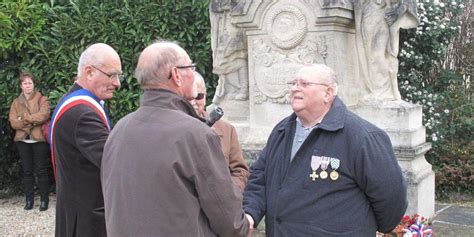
35 162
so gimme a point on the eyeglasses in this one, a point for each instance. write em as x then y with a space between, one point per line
110 75
192 66
304 84
199 96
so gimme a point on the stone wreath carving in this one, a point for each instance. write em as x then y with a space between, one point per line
287 26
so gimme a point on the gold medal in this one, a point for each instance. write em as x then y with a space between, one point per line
334 175
335 163
313 176
323 174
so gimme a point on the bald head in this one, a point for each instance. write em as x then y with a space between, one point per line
97 54
156 62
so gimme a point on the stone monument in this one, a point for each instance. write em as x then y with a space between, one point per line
258 45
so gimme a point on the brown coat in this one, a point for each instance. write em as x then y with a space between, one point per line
232 152
164 174
27 115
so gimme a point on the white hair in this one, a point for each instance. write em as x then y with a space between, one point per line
199 80
324 73
94 55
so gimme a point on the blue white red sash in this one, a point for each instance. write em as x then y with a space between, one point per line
83 97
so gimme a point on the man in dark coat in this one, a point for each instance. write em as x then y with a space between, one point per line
79 130
324 170
163 170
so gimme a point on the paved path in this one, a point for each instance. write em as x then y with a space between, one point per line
453 220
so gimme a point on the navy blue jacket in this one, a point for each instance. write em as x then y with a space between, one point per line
369 195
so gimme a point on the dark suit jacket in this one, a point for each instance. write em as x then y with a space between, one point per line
79 139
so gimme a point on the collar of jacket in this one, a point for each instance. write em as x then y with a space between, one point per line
332 121
167 99
76 87
23 98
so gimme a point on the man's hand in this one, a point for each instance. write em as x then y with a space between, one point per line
251 224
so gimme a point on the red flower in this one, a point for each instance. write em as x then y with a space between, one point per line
410 221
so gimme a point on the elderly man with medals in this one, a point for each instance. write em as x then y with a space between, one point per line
324 170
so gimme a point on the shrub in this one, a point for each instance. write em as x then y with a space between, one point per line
429 75
47 39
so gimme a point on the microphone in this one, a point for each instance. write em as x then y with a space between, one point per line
214 115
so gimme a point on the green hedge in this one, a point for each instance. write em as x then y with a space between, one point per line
47 39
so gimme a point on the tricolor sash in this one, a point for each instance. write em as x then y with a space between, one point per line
83 97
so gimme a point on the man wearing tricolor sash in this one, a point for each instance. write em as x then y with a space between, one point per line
79 129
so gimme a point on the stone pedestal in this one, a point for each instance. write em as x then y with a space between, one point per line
282 36
403 123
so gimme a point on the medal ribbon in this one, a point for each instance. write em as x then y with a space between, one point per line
324 162
335 163
315 162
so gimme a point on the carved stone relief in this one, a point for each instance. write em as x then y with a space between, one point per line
287 26
347 4
275 67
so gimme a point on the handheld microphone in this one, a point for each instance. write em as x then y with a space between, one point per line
214 115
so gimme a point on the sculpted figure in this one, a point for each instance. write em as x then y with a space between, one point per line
378 23
229 51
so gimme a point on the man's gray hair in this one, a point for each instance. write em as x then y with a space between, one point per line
325 74
93 55
156 62
198 79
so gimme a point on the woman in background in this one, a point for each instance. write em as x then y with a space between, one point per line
27 113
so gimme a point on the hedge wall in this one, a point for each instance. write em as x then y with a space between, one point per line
47 38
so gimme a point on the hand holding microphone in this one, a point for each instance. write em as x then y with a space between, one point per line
214 115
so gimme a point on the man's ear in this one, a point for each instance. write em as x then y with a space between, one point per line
175 76
89 72
329 94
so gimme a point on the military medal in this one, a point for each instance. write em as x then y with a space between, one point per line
315 163
334 175
324 166
313 176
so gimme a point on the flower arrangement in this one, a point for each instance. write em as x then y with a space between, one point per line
411 226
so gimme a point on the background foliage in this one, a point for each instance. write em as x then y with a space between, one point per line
47 37
436 66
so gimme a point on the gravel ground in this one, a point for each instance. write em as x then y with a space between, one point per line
14 221
457 220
